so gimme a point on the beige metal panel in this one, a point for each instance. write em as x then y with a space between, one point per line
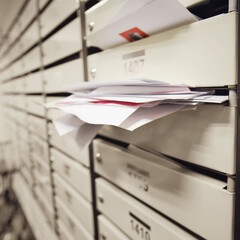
76 204
19 101
13 34
30 37
14 52
46 191
45 204
42 3
23 151
8 99
73 173
21 119
63 43
10 72
199 54
25 172
41 171
28 14
3 48
23 133
59 78
39 147
31 60
72 223
162 184
4 74
53 114
7 87
34 105
39 224
205 136
17 68
11 101
33 83
68 145
64 232
17 85
7 157
8 11
133 217
4 59
108 230
38 126
55 13
24 155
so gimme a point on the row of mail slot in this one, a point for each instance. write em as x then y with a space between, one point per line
34 214
67 176
23 20
73 196
26 139
38 135
37 178
56 79
63 43
52 16
187 197
196 68
68 173
60 45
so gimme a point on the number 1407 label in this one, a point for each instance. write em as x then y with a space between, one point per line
133 63
134 66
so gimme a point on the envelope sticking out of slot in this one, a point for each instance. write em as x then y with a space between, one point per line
127 104
135 19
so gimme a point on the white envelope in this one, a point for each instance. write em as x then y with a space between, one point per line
149 16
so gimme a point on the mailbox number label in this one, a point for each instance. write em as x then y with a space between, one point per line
139 228
133 66
139 177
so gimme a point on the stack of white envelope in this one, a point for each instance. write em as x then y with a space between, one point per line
127 104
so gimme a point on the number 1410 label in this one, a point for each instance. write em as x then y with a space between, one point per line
139 228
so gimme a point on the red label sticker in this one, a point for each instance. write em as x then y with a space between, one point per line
133 34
